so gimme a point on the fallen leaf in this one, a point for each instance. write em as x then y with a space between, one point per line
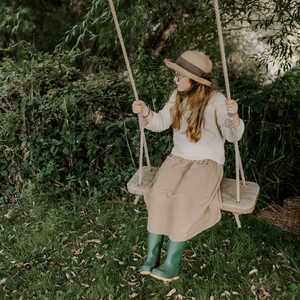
99 256
137 254
9 214
253 289
133 295
93 241
225 294
263 294
254 271
77 252
172 292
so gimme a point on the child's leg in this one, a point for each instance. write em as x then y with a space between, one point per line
154 242
169 270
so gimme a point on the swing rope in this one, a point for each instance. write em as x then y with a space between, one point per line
238 161
143 142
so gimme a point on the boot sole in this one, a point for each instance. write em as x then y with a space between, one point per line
163 278
145 272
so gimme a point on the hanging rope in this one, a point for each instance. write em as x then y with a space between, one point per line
143 143
238 161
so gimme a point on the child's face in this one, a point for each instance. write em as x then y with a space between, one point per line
183 83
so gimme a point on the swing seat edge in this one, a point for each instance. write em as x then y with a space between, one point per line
248 193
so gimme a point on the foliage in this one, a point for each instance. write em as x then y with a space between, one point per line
59 128
146 25
278 19
272 136
41 23
68 140
16 24
66 132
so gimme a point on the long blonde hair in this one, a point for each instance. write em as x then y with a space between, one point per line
197 99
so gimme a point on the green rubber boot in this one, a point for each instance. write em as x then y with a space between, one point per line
154 242
169 270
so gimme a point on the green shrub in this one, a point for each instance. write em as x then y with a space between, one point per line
64 132
59 128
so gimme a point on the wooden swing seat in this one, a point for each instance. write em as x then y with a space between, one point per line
248 193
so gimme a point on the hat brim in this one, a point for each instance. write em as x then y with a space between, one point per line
172 65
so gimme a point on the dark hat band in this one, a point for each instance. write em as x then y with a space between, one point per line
191 68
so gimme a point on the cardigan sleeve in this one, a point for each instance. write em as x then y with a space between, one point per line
231 134
162 120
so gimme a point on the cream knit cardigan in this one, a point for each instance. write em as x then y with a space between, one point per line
213 135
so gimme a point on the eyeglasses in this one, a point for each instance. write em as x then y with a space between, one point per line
179 76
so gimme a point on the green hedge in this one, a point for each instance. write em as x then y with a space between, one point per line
64 132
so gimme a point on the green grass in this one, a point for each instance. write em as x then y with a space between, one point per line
87 249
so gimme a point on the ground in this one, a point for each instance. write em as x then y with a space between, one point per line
88 249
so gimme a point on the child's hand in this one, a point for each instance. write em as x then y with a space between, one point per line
232 107
139 107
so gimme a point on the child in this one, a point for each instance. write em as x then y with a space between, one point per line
184 198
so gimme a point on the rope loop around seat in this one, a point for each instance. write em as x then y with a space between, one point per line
238 161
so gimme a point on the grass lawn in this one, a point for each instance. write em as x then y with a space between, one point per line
88 249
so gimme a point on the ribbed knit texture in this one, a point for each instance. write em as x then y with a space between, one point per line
213 134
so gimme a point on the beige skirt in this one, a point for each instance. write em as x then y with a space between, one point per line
184 198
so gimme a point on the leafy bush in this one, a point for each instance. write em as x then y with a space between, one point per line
58 127
39 22
168 27
64 132
272 138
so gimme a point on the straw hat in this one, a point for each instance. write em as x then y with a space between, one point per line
192 64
